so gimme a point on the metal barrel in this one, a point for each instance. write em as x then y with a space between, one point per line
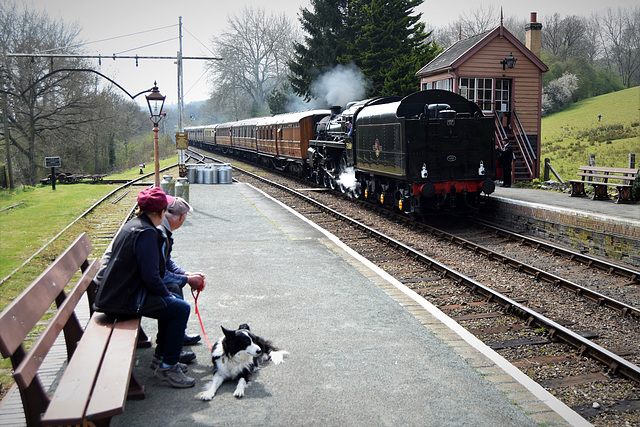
208 174
200 174
224 173
168 185
214 174
191 173
182 188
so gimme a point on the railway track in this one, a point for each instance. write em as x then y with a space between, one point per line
578 343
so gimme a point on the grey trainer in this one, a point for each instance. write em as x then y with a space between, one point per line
156 361
174 376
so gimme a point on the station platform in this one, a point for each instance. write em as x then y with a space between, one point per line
364 349
599 227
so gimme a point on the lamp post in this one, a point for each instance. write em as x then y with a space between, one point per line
155 100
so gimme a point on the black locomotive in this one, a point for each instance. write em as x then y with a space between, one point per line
430 151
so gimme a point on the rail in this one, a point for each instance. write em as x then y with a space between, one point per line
615 363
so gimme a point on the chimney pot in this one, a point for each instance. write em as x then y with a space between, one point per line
534 16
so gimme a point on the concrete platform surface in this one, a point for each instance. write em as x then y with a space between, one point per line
365 350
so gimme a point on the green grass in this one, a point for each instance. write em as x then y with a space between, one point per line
42 212
570 136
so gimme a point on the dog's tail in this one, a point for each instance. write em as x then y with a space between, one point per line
277 357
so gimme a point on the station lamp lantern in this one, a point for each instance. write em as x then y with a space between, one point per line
155 100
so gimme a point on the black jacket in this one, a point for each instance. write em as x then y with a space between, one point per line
122 283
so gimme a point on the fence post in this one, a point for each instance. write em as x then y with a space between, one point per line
592 162
546 170
632 160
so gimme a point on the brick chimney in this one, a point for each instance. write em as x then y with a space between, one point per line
533 35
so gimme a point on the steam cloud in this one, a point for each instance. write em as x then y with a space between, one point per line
338 86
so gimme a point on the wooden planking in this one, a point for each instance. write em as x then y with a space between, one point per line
72 394
26 371
110 391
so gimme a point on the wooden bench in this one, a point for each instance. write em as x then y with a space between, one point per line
600 178
98 377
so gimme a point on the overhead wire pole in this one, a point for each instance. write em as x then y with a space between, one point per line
182 168
178 61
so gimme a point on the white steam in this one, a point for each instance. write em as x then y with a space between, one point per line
338 86
341 85
347 178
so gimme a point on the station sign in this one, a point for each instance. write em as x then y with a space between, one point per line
182 142
52 162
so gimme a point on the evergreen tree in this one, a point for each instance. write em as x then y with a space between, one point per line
324 41
389 44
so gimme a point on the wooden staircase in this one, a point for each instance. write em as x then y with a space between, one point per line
525 159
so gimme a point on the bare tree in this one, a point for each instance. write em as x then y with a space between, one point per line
255 50
475 22
41 110
620 36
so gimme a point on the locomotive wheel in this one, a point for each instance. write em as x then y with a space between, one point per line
332 183
326 181
357 191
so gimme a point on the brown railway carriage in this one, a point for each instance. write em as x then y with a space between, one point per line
243 135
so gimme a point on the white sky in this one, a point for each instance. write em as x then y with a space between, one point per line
202 20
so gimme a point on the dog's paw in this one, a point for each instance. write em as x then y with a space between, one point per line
205 396
238 393
277 357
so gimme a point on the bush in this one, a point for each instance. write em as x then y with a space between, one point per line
558 93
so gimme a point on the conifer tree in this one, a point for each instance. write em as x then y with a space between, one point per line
324 41
389 44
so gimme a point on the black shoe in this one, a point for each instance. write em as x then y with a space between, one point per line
190 339
187 357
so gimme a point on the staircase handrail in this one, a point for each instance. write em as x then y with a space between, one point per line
529 156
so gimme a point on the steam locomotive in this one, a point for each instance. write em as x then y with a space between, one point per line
430 151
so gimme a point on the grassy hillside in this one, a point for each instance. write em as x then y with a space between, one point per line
570 136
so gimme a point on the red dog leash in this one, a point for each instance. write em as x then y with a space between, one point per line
195 297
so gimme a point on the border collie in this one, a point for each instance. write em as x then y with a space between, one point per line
236 355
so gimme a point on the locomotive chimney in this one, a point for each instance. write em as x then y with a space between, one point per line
335 110
534 35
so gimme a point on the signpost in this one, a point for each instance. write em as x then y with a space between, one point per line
53 163
182 143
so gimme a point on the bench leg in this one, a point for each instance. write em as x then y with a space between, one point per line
577 189
136 390
624 194
600 192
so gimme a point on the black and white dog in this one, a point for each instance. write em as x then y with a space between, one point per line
236 355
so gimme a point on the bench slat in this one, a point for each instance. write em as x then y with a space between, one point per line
28 368
19 318
110 391
72 394
591 175
606 169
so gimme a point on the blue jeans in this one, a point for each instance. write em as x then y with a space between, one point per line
172 322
